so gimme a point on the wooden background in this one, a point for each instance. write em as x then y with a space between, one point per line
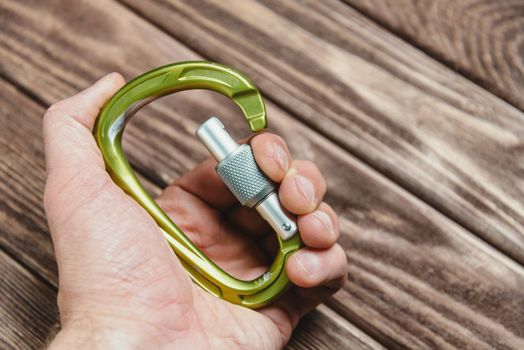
412 109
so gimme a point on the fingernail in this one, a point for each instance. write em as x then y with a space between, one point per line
308 262
325 220
280 155
305 188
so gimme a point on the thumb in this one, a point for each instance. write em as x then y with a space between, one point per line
69 144
74 163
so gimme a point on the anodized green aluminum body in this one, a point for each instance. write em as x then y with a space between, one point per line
108 132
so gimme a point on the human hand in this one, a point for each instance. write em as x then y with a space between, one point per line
122 286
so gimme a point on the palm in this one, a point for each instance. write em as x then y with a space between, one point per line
225 238
131 273
238 241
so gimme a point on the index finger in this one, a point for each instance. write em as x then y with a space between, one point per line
271 155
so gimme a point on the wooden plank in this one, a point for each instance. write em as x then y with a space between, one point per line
22 170
335 337
480 39
440 136
415 276
27 307
23 232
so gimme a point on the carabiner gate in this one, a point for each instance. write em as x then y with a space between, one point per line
108 132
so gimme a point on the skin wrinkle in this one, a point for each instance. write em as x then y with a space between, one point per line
277 156
285 330
271 154
181 324
80 133
60 217
226 315
314 232
299 263
186 319
240 342
60 114
141 271
298 182
324 220
154 331
281 157
305 188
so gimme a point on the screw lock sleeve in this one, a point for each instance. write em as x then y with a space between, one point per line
238 169
242 176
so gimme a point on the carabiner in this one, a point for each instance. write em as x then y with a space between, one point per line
108 132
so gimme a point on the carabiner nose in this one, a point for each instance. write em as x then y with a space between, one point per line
108 132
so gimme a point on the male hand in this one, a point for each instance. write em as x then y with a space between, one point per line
122 286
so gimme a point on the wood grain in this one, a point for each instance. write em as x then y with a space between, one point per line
439 135
416 280
27 307
335 337
481 39
24 229
23 233
23 225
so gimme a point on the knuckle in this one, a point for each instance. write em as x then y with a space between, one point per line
57 106
53 111
276 138
309 169
265 138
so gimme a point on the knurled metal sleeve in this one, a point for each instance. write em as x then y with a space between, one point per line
242 176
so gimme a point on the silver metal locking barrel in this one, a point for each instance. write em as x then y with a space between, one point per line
239 171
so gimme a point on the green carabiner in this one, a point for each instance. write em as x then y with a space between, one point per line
108 132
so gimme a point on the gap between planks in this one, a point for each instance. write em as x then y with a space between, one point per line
416 192
373 176
435 45
338 329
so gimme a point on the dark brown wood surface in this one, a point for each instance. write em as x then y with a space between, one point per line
27 307
421 274
480 39
437 134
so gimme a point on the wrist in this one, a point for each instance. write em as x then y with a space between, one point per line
87 333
